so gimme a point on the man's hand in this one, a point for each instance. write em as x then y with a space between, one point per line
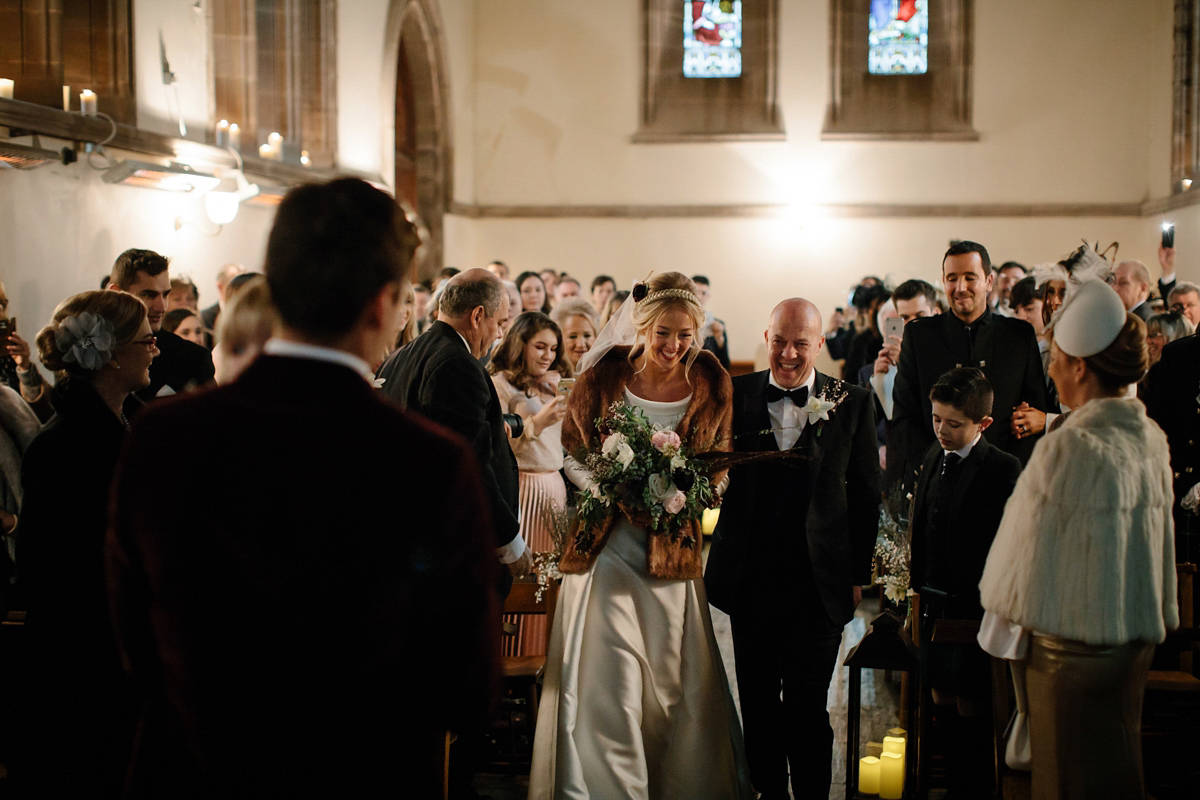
1027 421
18 348
857 595
523 565
1166 260
889 354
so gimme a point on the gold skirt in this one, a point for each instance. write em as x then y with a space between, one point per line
1085 716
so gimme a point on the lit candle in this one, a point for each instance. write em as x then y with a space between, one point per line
264 151
891 776
894 744
66 98
1187 183
87 103
868 775
304 159
223 133
235 137
6 88
708 522
276 143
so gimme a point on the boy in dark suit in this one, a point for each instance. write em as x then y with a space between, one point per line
964 484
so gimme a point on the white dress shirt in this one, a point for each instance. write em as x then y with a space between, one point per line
788 419
289 349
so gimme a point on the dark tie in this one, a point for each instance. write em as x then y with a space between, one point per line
950 462
797 396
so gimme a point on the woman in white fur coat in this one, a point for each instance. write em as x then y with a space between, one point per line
1084 560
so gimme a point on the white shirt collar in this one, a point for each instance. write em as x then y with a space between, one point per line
966 451
290 349
808 383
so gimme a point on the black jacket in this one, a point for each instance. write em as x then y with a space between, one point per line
436 376
1005 349
180 364
808 521
1173 401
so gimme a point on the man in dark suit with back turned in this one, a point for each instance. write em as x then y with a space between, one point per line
1005 349
793 548
1172 400
439 376
278 600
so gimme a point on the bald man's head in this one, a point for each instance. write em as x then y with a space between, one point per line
793 340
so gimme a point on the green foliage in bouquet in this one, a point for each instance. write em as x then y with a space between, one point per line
645 472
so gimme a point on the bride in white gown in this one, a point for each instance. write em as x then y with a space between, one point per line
635 701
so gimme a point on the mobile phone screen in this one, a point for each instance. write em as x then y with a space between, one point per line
1168 235
893 326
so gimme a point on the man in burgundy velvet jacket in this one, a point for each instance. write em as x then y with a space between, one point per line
308 597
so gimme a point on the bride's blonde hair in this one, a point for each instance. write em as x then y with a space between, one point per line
667 291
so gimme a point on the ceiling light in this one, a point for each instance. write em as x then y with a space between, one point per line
19 156
169 178
222 202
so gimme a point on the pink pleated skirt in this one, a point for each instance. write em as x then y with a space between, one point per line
541 494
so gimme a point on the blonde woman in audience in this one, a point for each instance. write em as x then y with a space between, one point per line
514 303
243 328
1161 329
526 368
1080 580
408 318
577 320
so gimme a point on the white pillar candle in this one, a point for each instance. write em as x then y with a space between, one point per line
235 137
868 775
894 744
264 151
891 776
304 159
66 98
223 133
276 143
6 88
87 103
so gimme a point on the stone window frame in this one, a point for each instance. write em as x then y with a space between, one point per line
1185 133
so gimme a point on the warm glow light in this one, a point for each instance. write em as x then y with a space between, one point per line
222 207
1168 225
1187 183
6 88
87 103
868 775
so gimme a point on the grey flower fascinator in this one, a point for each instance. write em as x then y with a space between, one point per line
86 339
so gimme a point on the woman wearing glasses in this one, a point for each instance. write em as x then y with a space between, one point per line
80 720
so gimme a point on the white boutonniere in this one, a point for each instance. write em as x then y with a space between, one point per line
818 408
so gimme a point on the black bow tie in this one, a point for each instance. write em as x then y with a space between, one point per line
797 396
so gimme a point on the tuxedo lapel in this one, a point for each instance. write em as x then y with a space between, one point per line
755 419
970 467
809 442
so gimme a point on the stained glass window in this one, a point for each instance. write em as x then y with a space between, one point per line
712 38
899 37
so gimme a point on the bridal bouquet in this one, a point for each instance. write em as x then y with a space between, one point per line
647 473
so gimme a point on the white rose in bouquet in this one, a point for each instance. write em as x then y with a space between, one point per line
661 486
617 447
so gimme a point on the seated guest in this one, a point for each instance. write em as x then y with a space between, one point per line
959 501
82 714
183 294
533 293
357 532
577 320
1162 329
184 323
566 289
181 365
1080 582
17 370
526 368
242 331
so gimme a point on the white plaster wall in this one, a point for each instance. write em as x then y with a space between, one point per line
183 31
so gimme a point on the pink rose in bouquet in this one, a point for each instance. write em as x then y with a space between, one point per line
674 504
665 440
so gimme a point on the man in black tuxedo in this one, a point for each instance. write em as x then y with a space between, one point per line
274 598
180 365
439 376
1005 349
1131 279
1173 401
793 548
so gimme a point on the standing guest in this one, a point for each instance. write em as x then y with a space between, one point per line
1026 302
499 269
533 293
1131 279
913 299
636 703
1007 276
1166 261
793 548
224 276
18 427
1080 581
440 377
1028 305
970 336
421 298
714 336
577 320
957 508
603 288
17 370
566 289
181 366
526 369
1171 402
1162 329
316 546
82 712
249 321
184 294
1185 298
514 303
186 324
869 338
550 281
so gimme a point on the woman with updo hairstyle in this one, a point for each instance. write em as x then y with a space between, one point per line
248 321
81 718
636 701
533 292
1080 580
526 368
576 318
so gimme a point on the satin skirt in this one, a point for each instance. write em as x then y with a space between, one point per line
1085 716
635 701
541 495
